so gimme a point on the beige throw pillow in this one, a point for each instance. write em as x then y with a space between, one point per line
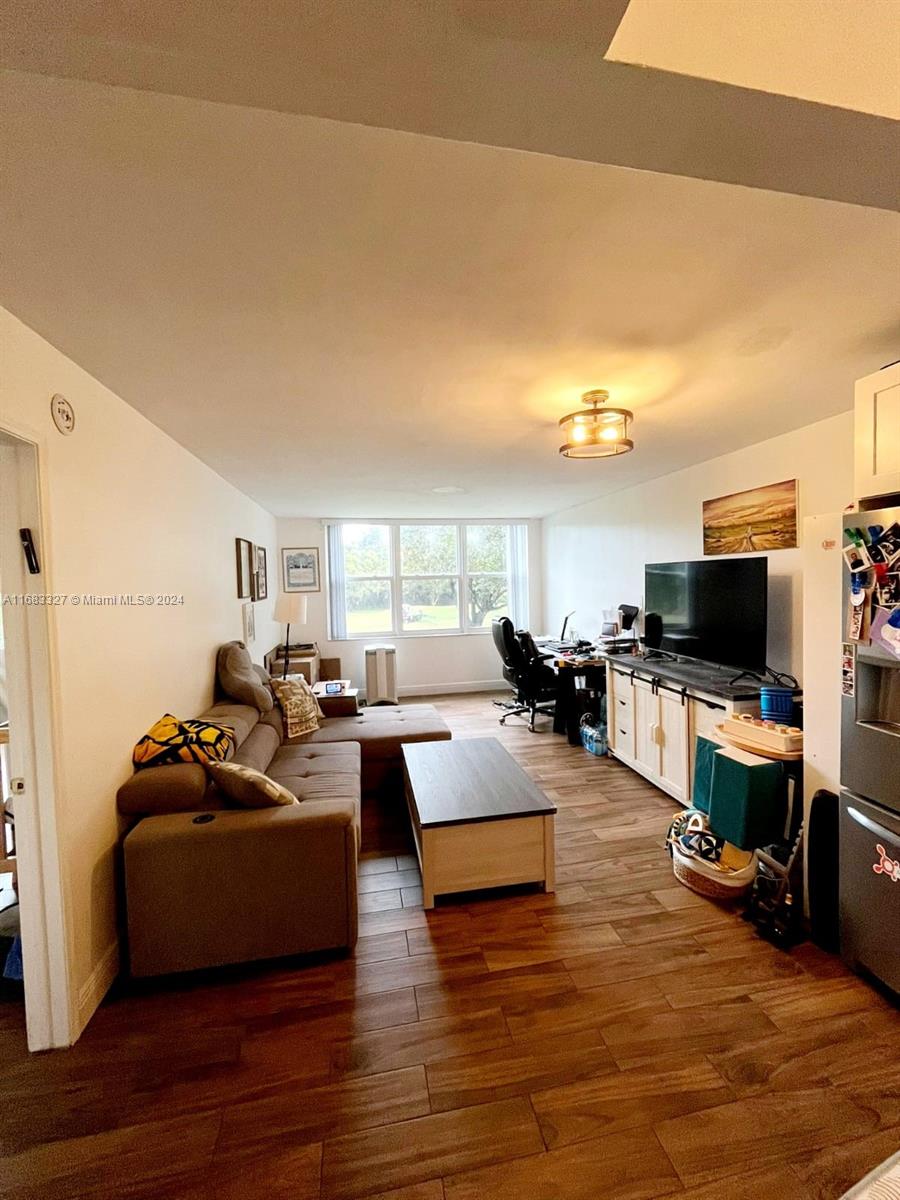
298 704
247 786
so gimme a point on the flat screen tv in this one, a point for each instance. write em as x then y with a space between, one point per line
712 610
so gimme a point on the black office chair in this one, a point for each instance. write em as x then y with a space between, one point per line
524 669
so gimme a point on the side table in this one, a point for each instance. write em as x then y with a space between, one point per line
340 704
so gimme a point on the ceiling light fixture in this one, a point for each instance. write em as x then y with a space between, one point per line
597 431
448 489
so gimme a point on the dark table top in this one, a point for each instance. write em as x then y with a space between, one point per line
470 780
699 677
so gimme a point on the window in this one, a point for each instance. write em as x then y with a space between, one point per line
429 577
369 582
420 577
487 556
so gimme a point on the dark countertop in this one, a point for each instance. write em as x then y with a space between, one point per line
712 681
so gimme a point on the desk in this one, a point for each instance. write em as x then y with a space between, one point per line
567 715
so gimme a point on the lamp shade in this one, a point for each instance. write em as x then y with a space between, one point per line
291 609
597 431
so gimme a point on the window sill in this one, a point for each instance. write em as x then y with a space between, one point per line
434 633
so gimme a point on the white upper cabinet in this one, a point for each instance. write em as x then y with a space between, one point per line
877 434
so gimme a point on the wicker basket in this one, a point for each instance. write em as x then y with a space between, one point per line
709 880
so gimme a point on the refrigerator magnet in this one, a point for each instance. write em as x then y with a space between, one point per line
858 620
886 630
848 669
857 558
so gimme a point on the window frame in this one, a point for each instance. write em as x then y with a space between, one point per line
390 579
396 579
400 578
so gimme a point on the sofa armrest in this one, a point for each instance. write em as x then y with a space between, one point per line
205 889
177 787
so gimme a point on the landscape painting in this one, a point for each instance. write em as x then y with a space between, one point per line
763 518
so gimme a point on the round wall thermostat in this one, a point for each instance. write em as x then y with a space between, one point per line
63 413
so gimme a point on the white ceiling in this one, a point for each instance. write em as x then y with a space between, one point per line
340 318
525 74
348 260
841 52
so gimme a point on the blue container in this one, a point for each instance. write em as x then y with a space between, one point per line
776 704
593 737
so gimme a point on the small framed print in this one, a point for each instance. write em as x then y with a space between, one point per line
244 555
260 574
248 618
300 569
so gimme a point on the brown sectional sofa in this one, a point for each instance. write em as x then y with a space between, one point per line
207 883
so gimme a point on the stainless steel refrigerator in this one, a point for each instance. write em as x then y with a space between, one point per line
870 746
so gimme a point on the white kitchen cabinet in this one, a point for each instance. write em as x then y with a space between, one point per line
646 720
877 434
648 730
620 714
653 725
672 739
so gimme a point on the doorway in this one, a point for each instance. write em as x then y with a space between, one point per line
11 972
31 888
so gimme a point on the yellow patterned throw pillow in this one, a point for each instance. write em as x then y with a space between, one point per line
173 741
247 786
298 704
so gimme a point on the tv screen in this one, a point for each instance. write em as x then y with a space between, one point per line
711 610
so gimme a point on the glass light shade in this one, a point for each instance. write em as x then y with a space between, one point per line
596 431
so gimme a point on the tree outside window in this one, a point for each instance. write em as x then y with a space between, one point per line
429 577
424 578
369 586
487 558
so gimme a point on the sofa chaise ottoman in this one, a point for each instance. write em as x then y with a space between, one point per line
207 883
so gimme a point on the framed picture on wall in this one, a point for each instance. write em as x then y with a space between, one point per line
763 518
260 575
248 619
300 569
244 555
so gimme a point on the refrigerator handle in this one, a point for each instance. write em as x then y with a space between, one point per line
872 826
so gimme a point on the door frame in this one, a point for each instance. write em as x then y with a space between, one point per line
50 1009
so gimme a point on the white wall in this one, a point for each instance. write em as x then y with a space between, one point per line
427 664
126 510
594 554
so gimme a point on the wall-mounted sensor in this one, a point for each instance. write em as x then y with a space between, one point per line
31 558
63 413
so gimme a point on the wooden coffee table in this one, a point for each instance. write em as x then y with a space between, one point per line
479 821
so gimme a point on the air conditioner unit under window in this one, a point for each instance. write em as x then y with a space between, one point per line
381 674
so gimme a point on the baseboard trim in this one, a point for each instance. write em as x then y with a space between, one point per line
452 689
96 986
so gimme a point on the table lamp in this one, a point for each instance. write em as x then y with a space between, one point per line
290 610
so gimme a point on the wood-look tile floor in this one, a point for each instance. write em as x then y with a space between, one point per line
619 1039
